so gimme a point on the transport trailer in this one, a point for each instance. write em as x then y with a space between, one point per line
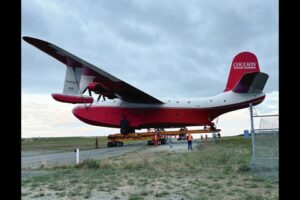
116 140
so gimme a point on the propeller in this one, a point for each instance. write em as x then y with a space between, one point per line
100 97
89 91
98 89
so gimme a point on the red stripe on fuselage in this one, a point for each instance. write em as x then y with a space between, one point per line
163 117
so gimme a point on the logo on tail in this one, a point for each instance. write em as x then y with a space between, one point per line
243 63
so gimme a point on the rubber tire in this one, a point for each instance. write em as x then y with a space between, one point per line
124 131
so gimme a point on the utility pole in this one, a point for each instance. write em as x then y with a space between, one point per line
252 135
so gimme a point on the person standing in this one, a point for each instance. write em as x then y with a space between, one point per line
170 141
155 138
190 140
96 144
214 135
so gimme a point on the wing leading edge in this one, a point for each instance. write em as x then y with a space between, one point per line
90 72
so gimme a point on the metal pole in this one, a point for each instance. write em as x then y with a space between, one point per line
77 156
252 135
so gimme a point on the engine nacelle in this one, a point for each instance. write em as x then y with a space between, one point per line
98 89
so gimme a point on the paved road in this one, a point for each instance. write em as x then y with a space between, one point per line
30 160
34 160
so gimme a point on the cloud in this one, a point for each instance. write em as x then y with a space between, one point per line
270 104
152 44
43 116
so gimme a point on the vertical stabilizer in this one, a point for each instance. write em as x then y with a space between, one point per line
242 63
72 80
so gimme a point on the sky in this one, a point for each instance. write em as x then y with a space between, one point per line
168 49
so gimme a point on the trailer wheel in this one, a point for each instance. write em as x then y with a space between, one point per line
124 131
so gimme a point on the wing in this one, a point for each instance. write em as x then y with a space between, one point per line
89 72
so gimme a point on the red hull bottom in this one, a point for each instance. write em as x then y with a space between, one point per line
154 117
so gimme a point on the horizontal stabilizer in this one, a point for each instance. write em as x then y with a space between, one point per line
253 82
72 98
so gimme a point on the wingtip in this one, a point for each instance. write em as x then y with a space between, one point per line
34 41
27 38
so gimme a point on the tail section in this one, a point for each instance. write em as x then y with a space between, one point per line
245 75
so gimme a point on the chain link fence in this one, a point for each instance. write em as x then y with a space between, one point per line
265 162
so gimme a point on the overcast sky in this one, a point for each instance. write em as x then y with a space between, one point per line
168 49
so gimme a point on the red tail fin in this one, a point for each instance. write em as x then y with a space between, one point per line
242 63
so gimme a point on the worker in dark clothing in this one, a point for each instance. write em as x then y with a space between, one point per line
96 144
190 140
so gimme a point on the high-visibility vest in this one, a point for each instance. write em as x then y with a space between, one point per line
155 136
190 137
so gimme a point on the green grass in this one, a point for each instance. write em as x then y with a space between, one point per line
66 144
61 144
214 171
135 197
162 194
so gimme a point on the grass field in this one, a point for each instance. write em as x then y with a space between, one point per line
210 171
65 144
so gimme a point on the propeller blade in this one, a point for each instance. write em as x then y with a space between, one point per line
103 98
90 93
99 97
84 91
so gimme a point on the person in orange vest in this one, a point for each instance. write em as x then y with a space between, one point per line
155 138
190 139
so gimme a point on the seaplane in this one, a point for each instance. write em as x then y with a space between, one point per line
129 109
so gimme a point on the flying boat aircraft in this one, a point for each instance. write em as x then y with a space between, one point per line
129 108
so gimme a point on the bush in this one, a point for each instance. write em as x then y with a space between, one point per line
89 163
244 168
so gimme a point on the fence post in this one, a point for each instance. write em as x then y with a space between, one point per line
252 135
77 156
